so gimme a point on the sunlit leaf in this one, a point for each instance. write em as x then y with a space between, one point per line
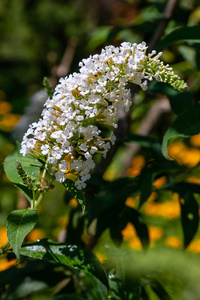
19 224
72 256
30 165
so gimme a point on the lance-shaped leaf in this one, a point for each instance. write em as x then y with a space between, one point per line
190 33
160 290
189 216
149 143
136 218
30 165
186 124
78 194
178 101
19 224
147 177
72 256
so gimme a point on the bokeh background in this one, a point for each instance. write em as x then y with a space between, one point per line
48 38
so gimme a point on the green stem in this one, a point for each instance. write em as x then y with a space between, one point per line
33 200
45 188
37 202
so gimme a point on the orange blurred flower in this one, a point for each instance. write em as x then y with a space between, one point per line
35 234
137 164
155 233
173 241
152 197
194 246
5 107
193 179
101 256
176 151
191 158
5 264
168 210
9 121
132 201
135 243
128 232
195 140
73 202
160 182
3 236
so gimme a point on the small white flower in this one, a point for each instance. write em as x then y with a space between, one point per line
80 184
79 118
83 147
63 166
45 149
93 149
76 165
56 152
85 177
60 176
112 138
87 155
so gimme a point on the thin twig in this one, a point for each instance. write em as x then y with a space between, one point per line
63 68
167 14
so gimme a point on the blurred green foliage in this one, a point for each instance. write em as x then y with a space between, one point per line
124 212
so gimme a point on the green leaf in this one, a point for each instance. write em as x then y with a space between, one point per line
48 87
30 165
78 194
110 195
75 227
178 101
99 37
189 216
116 286
115 230
36 269
136 218
186 124
190 33
72 256
147 142
195 188
160 290
108 220
147 177
19 224
68 297
22 288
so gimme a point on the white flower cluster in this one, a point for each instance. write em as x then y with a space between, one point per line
68 134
